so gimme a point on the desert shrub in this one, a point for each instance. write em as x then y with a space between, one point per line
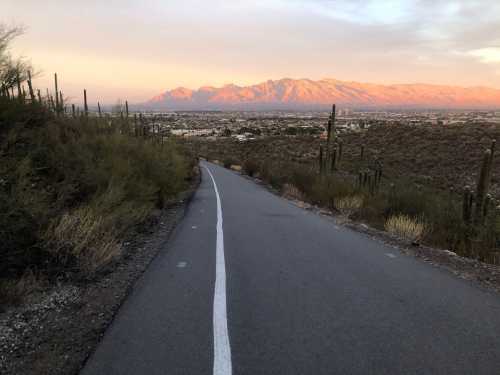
446 227
228 162
406 227
292 192
407 199
60 175
271 172
12 290
250 167
302 177
326 190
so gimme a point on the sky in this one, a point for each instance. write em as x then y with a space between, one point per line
135 49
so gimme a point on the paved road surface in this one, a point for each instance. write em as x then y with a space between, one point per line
303 297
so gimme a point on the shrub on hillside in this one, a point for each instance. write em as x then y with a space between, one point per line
55 169
250 167
228 162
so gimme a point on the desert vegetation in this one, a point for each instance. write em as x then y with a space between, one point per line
72 183
435 185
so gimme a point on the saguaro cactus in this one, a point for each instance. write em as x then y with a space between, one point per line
320 159
30 87
334 111
57 93
468 197
340 150
482 186
85 105
333 160
135 125
61 102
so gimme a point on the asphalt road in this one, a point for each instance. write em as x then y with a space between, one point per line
303 297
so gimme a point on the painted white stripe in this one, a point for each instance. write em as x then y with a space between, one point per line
222 349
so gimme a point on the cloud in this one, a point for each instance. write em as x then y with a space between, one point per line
368 12
243 41
487 55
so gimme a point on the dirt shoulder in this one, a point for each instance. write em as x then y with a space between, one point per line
54 331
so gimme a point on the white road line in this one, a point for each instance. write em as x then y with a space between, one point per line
222 348
390 255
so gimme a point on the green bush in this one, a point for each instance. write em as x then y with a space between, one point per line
54 167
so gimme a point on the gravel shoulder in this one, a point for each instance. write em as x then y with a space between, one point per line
54 331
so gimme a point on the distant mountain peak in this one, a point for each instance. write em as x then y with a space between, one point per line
288 93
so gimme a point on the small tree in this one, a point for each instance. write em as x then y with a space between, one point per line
11 69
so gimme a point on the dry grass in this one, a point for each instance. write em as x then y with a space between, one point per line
404 226
347 205
12 291
83 237
292 192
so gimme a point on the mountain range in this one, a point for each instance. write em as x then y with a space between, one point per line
297 94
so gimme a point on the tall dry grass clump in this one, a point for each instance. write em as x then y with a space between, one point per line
83 240
404 226
349 204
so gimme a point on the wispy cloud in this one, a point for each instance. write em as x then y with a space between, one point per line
487 55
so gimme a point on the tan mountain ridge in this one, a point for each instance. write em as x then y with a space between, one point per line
306 93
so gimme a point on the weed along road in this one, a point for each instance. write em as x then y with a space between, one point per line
249 284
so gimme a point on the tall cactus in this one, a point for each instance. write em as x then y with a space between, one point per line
329 132
333 160
57 93
61 102
482 186
467 205
320 159
334 111
85 105
30 87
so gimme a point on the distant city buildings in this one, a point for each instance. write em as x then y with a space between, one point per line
247 126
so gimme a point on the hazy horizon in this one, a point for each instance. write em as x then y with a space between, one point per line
135 50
